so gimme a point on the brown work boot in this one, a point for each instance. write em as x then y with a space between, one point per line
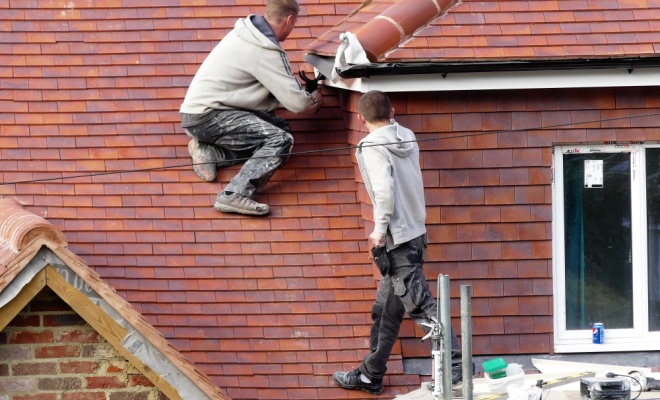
204 160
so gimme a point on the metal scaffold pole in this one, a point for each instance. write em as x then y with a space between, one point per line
466 340
445 321
440 333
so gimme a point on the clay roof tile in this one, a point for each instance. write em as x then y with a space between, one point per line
389 30
19 228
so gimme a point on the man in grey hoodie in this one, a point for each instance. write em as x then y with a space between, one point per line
227 109
388 158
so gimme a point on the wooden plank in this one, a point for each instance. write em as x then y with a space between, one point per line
105 326
550 366
29 291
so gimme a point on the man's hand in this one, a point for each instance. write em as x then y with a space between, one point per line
377 239
318 96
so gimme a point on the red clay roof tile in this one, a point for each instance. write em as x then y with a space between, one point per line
512 30
19 227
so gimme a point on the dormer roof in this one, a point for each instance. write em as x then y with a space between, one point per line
464 32
34 254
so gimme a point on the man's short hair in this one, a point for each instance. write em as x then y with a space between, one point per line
278 10
374 106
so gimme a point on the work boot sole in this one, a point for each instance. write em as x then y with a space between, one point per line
204 168
231 209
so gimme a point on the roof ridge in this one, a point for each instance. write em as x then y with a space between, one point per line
470 32
396 23
19 227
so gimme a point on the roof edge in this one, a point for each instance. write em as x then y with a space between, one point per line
418 68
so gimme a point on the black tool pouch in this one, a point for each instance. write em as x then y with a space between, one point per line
381 258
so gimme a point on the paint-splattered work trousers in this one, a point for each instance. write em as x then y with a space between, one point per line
260 139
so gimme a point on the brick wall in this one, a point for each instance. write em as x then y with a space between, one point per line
49 353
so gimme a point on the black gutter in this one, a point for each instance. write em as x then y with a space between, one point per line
444 68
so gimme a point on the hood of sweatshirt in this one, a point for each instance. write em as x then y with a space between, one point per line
255 30
398 139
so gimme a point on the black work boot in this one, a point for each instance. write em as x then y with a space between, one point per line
456 376
351 380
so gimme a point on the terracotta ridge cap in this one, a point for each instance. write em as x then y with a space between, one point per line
396 23
19 227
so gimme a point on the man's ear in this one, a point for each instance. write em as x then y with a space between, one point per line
361 119
392 113
291 21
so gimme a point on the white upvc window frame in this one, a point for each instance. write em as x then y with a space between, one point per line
616 340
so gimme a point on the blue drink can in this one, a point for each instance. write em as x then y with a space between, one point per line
598 333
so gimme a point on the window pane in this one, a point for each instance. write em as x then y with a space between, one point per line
598 243
653 221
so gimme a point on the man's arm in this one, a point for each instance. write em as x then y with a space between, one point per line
274 72
379 172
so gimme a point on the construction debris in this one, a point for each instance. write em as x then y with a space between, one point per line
562 380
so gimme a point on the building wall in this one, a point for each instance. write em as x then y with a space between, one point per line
271 307
487 163
49 353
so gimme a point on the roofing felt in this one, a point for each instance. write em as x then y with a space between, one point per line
472 31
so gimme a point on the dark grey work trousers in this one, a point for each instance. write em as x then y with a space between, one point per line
403 289
260 139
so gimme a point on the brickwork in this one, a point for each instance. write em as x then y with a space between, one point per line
49 353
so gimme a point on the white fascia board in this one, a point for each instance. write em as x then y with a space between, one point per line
555 79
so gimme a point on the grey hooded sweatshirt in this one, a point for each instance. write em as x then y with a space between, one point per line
247 70
393 179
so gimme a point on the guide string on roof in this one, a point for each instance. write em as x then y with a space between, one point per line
341 148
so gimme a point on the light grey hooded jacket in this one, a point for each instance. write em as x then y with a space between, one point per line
388 158
247 70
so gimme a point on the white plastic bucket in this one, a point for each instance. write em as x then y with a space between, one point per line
514 376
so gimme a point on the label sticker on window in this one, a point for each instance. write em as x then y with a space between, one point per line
593 173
